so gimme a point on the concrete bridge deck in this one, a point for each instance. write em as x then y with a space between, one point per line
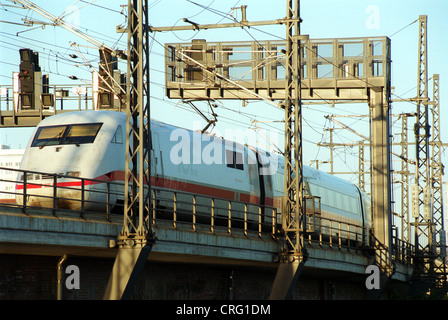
54 233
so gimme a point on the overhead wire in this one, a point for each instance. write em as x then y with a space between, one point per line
243 28
207 8
224 16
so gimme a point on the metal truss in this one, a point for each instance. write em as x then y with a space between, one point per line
423 221
293 254
136 238
405 212
138 168
293 181
428 216
436 181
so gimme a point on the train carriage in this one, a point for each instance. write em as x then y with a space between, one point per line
91 145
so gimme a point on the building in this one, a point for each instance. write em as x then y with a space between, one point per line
9 159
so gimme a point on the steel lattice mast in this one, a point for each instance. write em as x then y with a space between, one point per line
424 243
293 181
136 238
437 181
293 255
138 168
429 238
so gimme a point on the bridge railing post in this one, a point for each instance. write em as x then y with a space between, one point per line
212 215
245 219
330 226
25 178
55 194
229 222
194 212
174 209
108 200
153 195
83 186
349 234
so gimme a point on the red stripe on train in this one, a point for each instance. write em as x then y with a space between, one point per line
158 182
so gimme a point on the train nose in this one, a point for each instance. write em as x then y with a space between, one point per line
39 189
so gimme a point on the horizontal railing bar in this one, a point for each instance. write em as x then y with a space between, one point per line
209 211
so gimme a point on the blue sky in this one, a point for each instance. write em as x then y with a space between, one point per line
321 19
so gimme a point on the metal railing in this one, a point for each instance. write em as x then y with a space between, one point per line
253 63
198 211
402 251
102 199
337 234
28 189
67 97
34 189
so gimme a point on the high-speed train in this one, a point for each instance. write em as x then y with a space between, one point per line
91 145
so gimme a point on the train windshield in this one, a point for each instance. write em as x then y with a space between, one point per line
66 134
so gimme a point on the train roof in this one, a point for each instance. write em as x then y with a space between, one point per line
320 177
327 180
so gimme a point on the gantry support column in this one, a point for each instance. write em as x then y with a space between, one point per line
437 170
136 238
381 192
381 240
422 212
293 255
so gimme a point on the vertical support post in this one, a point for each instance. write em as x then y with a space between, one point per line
174 209
245 219
108 201
194 213
436 181
212 216
229 217
293 255
381 187
25 187
405 222
83 200
55 194
381 192
381 180
423 223
59 276
138 178
136 238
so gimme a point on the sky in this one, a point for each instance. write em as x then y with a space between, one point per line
321 19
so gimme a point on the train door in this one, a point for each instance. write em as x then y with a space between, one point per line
266 191
265 182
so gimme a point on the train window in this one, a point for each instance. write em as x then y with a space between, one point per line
82 133
278 182
234 159
68 134
48 136
239 160
118 136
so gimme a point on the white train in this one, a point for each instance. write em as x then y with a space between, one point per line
91 145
